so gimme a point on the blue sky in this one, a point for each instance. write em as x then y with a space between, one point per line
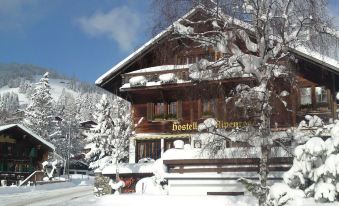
82 38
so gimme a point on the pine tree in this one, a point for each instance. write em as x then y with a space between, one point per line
39 113
110 137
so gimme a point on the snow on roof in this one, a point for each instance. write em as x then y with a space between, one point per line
126 168
25 129
317 57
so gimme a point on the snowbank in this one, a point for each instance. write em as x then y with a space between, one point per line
165 200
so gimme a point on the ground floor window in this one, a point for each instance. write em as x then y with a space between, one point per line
148 149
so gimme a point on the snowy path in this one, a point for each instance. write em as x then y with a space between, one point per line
47 198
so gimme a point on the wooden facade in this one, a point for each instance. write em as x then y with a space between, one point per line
177 108
21 153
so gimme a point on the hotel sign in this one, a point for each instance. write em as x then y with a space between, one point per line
220 125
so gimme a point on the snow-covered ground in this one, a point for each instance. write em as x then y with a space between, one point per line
164 200
79 186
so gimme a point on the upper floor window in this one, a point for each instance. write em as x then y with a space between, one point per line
172 110
164 110
191 59
159 110
306 96
321 95
313 98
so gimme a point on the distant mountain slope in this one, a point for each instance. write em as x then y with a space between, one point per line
18 77
8 72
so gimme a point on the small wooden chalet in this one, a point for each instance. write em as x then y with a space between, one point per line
21 153
167 105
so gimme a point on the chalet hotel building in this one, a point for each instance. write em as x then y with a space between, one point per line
167 105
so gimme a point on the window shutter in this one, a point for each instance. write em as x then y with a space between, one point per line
149 111
179 109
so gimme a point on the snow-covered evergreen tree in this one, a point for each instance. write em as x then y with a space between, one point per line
39 113
109 140
65 134
316 165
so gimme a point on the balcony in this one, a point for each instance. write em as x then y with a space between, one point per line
153 75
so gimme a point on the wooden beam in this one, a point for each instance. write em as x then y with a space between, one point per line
233 161
334 98
226 193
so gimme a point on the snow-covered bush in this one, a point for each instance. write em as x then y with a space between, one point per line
167 78
280 194
316 167
138 81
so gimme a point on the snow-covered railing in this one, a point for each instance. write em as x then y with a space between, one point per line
34 177
226 165
153 76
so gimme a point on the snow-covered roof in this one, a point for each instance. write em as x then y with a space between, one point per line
113 71
126 168
316 57
25 129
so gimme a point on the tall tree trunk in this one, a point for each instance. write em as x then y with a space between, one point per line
263 172
265 152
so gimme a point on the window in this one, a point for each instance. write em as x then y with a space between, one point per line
314 98
148 149
195 58
208 107
159 110
164 110
306 96
172 110
321 95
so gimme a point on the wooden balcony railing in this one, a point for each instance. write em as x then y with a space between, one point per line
226 165
181 74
